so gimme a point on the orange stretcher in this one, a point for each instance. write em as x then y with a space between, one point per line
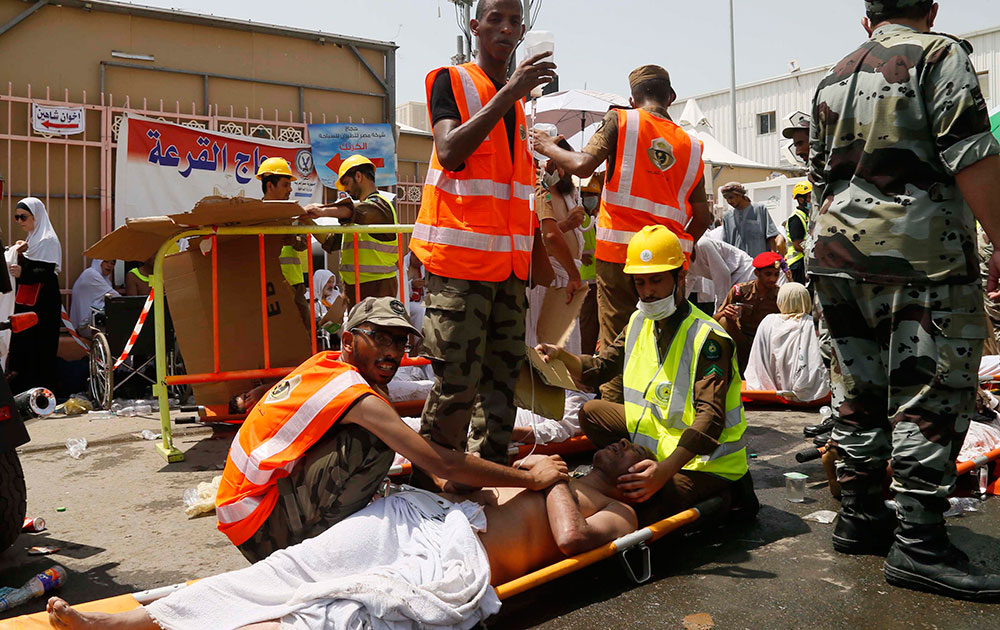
634 541
770 397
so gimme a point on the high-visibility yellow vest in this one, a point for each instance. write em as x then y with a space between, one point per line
291 265
135 272
793 256
377 260
659 402
588 272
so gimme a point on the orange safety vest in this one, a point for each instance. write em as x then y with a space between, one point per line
476 223
279 430
656 165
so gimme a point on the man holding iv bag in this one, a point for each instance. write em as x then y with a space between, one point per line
474 235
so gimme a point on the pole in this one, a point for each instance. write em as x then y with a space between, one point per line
732 69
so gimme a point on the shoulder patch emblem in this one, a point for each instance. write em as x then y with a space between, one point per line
522 132
661 154
713 350
283 390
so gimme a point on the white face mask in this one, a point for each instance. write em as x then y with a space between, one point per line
658 309
590 203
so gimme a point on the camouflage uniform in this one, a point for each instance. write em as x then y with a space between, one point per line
336 477
474 337
892 254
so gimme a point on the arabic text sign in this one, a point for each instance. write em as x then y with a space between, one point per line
163 168
63 121
334 143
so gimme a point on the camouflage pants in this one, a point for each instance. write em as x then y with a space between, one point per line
337 477
616 300
474 337
904 384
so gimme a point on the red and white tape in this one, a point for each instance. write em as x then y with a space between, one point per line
135 331
72 331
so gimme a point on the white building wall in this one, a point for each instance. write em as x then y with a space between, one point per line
794 92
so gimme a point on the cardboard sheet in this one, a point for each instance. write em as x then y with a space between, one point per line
556 318
541 387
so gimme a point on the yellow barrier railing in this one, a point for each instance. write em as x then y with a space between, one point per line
165 447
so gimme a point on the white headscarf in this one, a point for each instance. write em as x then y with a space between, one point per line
89 290
43 244
794 300
320 278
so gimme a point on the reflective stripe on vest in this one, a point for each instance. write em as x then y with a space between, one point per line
377 260
659 404
639 192
793 256
291 265
135 272
476 223
294 414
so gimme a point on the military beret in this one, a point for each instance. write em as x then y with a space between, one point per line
767 259
879 6
645 73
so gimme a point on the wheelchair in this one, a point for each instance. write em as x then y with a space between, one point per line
134 378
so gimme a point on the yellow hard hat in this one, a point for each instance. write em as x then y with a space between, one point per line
348 164
274 166
802 188
591 184
654 249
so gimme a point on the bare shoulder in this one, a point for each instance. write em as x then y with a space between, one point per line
592 501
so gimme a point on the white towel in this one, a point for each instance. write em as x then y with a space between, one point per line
412 560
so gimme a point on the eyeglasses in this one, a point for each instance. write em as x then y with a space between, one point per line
20 217
385 340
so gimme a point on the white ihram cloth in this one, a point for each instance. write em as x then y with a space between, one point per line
412 560
715 269
785 358
88 292
7 305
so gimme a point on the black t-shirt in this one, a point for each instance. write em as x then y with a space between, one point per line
443 105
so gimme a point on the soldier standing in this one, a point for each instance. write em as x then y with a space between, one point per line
901 151
474 235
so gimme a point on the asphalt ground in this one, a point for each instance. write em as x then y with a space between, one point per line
124 530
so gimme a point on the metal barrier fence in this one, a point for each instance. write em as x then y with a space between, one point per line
74 175
163 380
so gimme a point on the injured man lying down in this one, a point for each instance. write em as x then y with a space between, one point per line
411 560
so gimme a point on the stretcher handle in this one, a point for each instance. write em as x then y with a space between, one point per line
809 454
981 460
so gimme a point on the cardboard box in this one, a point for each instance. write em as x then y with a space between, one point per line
188 289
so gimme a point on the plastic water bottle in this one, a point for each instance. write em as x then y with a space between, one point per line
825 412
43 583
143 409
984 480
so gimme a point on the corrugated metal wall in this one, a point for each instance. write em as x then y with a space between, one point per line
786 94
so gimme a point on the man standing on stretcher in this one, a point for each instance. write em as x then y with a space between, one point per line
681 388
316 447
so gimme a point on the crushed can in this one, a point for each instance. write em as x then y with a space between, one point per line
33 525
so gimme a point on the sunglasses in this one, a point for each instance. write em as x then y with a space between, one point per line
20 217
385 340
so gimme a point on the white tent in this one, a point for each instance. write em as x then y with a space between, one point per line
693 121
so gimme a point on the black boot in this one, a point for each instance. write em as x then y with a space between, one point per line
745 504
923 559
865 525
819 429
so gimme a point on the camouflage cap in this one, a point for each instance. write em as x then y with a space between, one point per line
645 73
879 6
381 311
796 121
